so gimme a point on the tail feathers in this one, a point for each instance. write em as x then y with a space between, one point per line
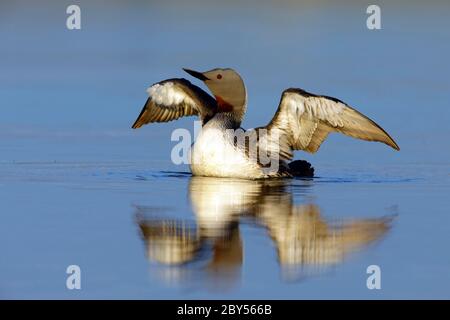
301 168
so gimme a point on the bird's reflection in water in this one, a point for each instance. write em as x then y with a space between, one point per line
211 248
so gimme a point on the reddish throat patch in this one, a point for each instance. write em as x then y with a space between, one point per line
223 105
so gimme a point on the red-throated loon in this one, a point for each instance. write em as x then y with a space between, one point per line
223 149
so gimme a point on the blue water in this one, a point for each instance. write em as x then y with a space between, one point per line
78 186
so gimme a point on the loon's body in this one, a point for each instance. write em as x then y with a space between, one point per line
223 149
215 153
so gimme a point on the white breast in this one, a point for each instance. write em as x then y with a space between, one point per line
214 154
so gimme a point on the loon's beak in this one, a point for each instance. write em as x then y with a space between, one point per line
196 74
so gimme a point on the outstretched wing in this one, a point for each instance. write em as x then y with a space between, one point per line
175 98
304 120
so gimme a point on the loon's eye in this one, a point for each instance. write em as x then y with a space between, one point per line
219 76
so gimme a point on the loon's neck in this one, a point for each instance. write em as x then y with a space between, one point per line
223 120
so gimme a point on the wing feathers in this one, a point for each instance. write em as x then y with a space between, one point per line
172 99
304 120
357 125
